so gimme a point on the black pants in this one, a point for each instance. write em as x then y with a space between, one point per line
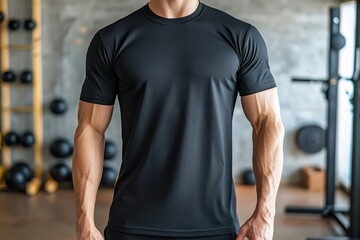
115 235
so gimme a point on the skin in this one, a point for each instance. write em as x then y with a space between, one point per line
87 164
263 112
173 8
261 109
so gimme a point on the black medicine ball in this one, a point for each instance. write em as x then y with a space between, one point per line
14 24
248 177
29 24
58 106
60 172
27 139
26 76
11 138
2 17
61 148
108 177
25 169
8 76
15 179
110 150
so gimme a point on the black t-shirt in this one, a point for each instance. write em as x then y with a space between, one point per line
177 81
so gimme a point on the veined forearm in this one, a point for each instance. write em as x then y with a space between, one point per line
87 168
268 163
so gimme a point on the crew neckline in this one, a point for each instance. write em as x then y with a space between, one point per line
157 18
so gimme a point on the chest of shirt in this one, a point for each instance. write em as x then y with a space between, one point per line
166 54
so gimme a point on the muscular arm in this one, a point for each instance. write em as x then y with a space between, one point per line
87 164
263 112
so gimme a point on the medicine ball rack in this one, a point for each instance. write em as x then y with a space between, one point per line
350 225
33 186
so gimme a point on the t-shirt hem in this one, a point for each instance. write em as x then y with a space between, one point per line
256 90
97 100
174 233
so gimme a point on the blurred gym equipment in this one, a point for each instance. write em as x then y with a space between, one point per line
8 76
58 106
351 224
27 139
14 24
18 175
248 177
29 24
311 138
60 172
110 150
11 138
61 148
108 177
26 77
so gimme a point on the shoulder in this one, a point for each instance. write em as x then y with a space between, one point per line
121 26
222 17
243 29
240 33
112 35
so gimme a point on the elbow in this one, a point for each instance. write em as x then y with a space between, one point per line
271 124
85 131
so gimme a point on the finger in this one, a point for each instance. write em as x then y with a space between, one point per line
242 233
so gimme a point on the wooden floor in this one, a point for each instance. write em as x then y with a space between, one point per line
51 217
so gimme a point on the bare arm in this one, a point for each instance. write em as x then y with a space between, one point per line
87 164
263 112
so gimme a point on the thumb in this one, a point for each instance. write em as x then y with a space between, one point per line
242 233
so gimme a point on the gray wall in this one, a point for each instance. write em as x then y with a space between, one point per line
295 32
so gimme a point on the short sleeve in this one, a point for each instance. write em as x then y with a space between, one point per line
100 84
254 73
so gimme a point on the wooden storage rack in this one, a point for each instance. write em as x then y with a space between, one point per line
34 185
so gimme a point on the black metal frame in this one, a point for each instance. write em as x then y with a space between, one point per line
351 226
332 97
354 230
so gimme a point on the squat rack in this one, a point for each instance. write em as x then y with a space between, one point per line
350 225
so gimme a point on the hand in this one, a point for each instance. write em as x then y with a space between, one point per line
89 234
257 228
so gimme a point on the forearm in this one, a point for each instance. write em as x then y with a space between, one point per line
268 164
87 168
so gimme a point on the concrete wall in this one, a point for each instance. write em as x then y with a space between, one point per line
295 32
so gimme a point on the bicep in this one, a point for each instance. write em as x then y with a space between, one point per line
261 106
94 116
